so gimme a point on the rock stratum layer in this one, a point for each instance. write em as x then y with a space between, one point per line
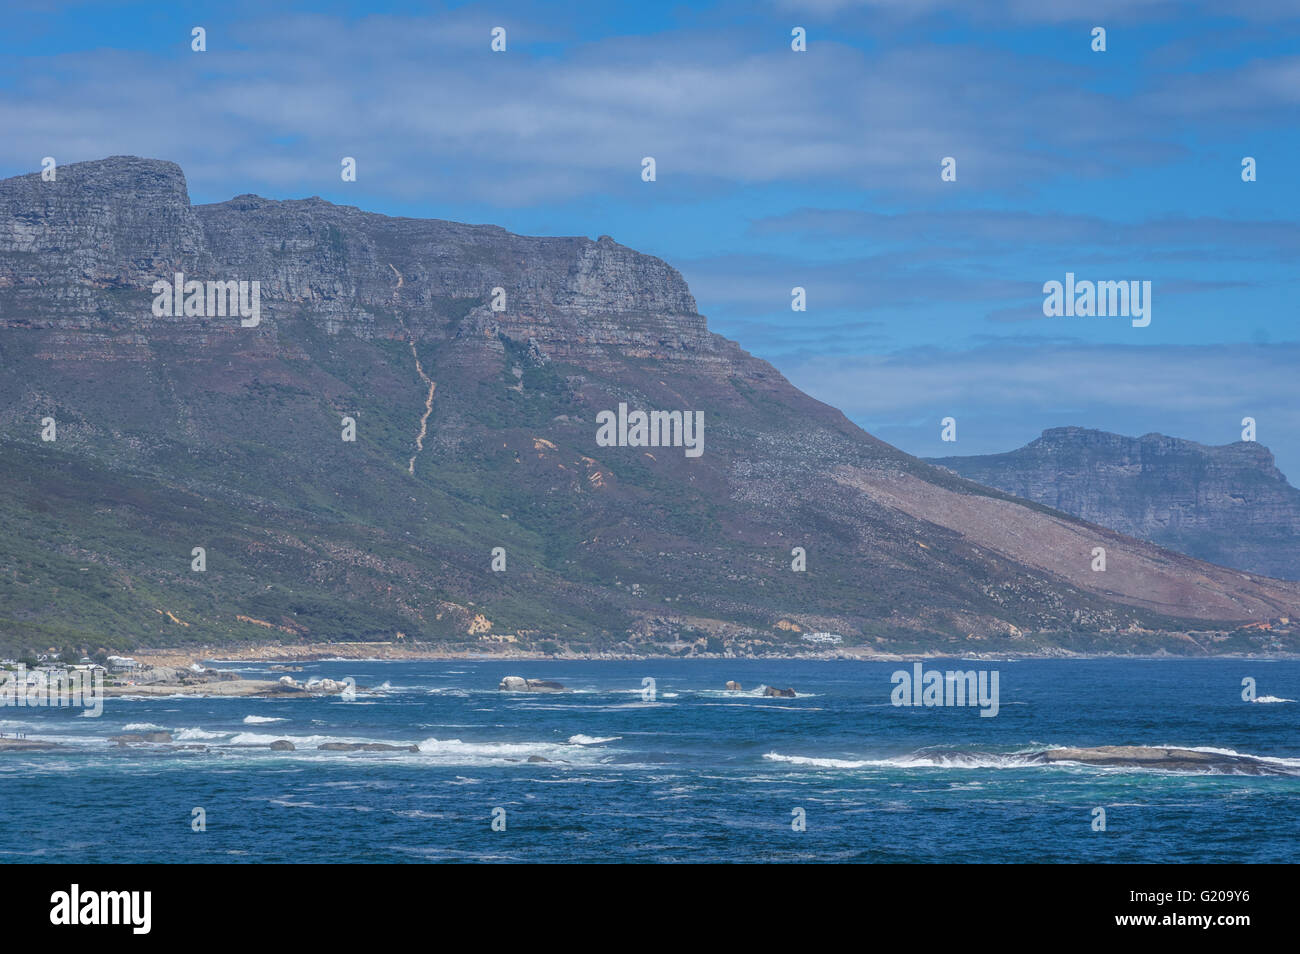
476 429
1228 505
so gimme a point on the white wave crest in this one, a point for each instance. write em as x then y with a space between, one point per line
456 752
192 735
820 763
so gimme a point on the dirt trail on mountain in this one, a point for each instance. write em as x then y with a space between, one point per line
428 409
433 385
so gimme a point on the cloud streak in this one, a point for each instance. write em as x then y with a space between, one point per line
1003 394
424 104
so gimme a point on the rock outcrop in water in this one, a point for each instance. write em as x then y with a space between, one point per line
1228 505
470 365
520 684
327 687
26 745
1168 759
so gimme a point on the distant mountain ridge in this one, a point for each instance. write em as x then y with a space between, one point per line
475 507
1228 505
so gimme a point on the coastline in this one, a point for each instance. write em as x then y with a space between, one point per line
277 654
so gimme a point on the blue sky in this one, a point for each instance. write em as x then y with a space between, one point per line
775 169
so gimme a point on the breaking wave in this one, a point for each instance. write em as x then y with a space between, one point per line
198 735
1019 759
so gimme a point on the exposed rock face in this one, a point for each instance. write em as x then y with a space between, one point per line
120 224
1228 505
282 745
1173 760
733 686
327 687
475 428
365 747
779 693
163 676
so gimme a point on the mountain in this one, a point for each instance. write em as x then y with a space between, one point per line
1228 505
475 365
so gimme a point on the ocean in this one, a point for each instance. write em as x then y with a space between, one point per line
694 774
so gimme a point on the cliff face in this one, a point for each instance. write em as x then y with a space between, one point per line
118 225
473 364
1228 505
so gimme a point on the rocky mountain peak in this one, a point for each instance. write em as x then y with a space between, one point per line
1229 504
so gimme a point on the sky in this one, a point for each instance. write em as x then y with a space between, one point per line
778 169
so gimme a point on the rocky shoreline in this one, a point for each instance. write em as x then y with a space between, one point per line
244 687
229 684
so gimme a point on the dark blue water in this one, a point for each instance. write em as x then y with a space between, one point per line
697 774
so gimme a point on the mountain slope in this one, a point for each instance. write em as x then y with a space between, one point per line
475 429
1228 505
